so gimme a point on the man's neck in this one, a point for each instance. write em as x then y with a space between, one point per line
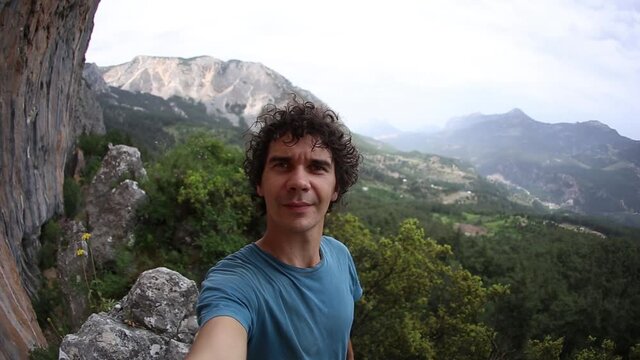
296 249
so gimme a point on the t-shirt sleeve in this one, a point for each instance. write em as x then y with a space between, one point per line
355 281
222 294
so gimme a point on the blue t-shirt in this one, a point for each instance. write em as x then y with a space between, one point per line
288 312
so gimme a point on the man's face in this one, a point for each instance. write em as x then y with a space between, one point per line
298 184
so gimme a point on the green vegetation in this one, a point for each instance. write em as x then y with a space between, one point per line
94 147
199 207
49 238
525 288
48 353
417 304
72 196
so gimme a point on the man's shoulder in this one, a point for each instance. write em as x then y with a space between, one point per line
237 266
334 245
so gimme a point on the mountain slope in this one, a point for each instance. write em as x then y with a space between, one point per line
585 167
234 89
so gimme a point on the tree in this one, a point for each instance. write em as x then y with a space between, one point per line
198 196
547 349
416 304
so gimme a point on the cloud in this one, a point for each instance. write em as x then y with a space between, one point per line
408 60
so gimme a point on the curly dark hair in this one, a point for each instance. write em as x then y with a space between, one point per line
299 118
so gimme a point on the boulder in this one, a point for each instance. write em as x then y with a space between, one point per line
112 199
102 337
155 320
74 272
110 220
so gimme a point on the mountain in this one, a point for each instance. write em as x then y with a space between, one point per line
155 123
376 129
585 167
233 89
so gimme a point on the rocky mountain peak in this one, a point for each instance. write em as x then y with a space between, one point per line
596 124
234 89
513 117
92 75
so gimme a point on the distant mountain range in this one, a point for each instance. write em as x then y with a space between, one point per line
584 167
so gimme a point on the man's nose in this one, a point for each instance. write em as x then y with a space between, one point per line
298 179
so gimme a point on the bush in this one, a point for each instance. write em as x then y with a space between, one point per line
72 196
198 195
48 353
49 236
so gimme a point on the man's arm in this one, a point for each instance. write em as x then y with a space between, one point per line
350 355
221 338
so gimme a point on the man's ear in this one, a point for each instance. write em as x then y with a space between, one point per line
259 191
334 196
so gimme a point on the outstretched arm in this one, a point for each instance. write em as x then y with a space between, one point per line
350 355
221 338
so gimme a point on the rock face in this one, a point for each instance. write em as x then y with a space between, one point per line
112 199
93 77
235 89
156 320
42 50
86 117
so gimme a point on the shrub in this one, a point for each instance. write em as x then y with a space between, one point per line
72 197
48 353
49 236
198 195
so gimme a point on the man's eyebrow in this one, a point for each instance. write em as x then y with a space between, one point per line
321 162
278 158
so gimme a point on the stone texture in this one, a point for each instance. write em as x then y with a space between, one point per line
154 321
42 50
93 77
110 213
72 270
112 199
86 117
161 300
102 337
234 89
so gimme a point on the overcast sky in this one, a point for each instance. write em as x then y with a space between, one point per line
409 63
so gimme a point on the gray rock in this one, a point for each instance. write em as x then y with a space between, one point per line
102 337
74 272
162 300
42 49
121 162
86 115
234 89
112 199
110 214
188 329
156 320
93 76
177 350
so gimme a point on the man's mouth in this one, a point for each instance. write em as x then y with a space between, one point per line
297 205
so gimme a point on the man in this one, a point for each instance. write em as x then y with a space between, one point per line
291 294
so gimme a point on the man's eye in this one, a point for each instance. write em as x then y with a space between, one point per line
318 168
281 165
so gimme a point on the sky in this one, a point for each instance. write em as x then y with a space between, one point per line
413 64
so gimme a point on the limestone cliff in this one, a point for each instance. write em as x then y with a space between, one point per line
234 89
42 49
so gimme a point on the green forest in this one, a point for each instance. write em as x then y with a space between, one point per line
528 285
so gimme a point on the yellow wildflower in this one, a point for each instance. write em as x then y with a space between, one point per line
80 252
86 236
